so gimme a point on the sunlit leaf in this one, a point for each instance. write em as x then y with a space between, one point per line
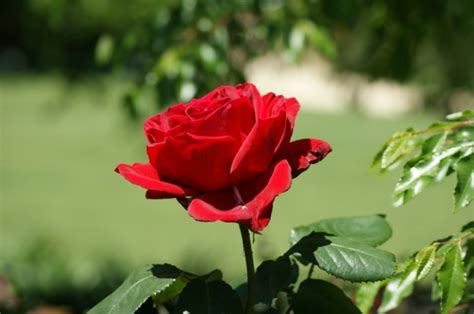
416 178
464 190
396 291
451 279
395 149
139 286
366 295
424 261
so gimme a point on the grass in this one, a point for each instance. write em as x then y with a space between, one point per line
60 144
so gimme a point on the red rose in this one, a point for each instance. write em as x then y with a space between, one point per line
229 152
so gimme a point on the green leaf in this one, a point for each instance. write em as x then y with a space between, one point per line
208 297
396 291
307 245
372 230
272 277
417 177
451 279
395 149
139 286
434 143
424 261
464 190
377 161
366 295
467 114
469 257
323 296
354 261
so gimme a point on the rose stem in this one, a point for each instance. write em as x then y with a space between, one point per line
244 232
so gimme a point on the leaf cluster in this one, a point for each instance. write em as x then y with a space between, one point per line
450 261
430 155
342 247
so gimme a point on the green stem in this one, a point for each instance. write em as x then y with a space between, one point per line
310 271
244 232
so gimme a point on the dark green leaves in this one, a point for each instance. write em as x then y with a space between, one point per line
272 277
451 279
346 248
432 154
208 297
139 286
318 296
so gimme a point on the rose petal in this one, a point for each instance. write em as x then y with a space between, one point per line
273 104
203 106
235 119
200 162
145 175
251 206
258 149
302 153
249 91
159 125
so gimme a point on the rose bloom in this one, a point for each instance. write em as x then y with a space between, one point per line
226 156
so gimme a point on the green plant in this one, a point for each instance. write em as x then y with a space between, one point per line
442 149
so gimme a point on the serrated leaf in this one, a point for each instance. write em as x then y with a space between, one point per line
138 287
469 258
377 161
208 297
366 295
372 230
344 258
272 277
395 149
417 177
321 295
434 143
354 261
307 245
424 261
464 190
444 169
396 291
451 279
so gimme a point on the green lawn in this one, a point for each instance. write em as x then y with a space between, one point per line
60 144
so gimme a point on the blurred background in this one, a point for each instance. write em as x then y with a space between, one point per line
78 77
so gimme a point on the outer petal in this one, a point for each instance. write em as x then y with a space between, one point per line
146 176
302 153
249 203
